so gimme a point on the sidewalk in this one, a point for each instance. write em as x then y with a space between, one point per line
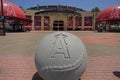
15 67
17 55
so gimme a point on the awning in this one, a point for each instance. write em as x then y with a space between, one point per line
111 13
12 11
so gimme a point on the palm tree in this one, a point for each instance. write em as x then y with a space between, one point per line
95 12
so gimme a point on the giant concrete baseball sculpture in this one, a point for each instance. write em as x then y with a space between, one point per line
61 56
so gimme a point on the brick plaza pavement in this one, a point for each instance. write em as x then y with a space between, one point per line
17 55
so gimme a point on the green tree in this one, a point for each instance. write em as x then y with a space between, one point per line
96 9
95 12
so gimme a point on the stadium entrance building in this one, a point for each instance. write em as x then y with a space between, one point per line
51 17
57 17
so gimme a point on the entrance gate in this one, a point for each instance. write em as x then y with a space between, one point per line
58 25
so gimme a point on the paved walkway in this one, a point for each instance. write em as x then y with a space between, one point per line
15 67
17 55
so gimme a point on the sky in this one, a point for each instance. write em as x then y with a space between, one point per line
84 4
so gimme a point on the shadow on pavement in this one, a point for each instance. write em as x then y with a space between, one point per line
36 77
117 73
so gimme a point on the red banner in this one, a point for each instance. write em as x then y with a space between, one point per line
28 23
88 21
46 21
70 21
78 21
37 20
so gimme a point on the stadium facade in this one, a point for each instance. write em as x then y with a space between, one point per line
57 17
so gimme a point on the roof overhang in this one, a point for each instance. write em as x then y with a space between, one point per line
57 11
